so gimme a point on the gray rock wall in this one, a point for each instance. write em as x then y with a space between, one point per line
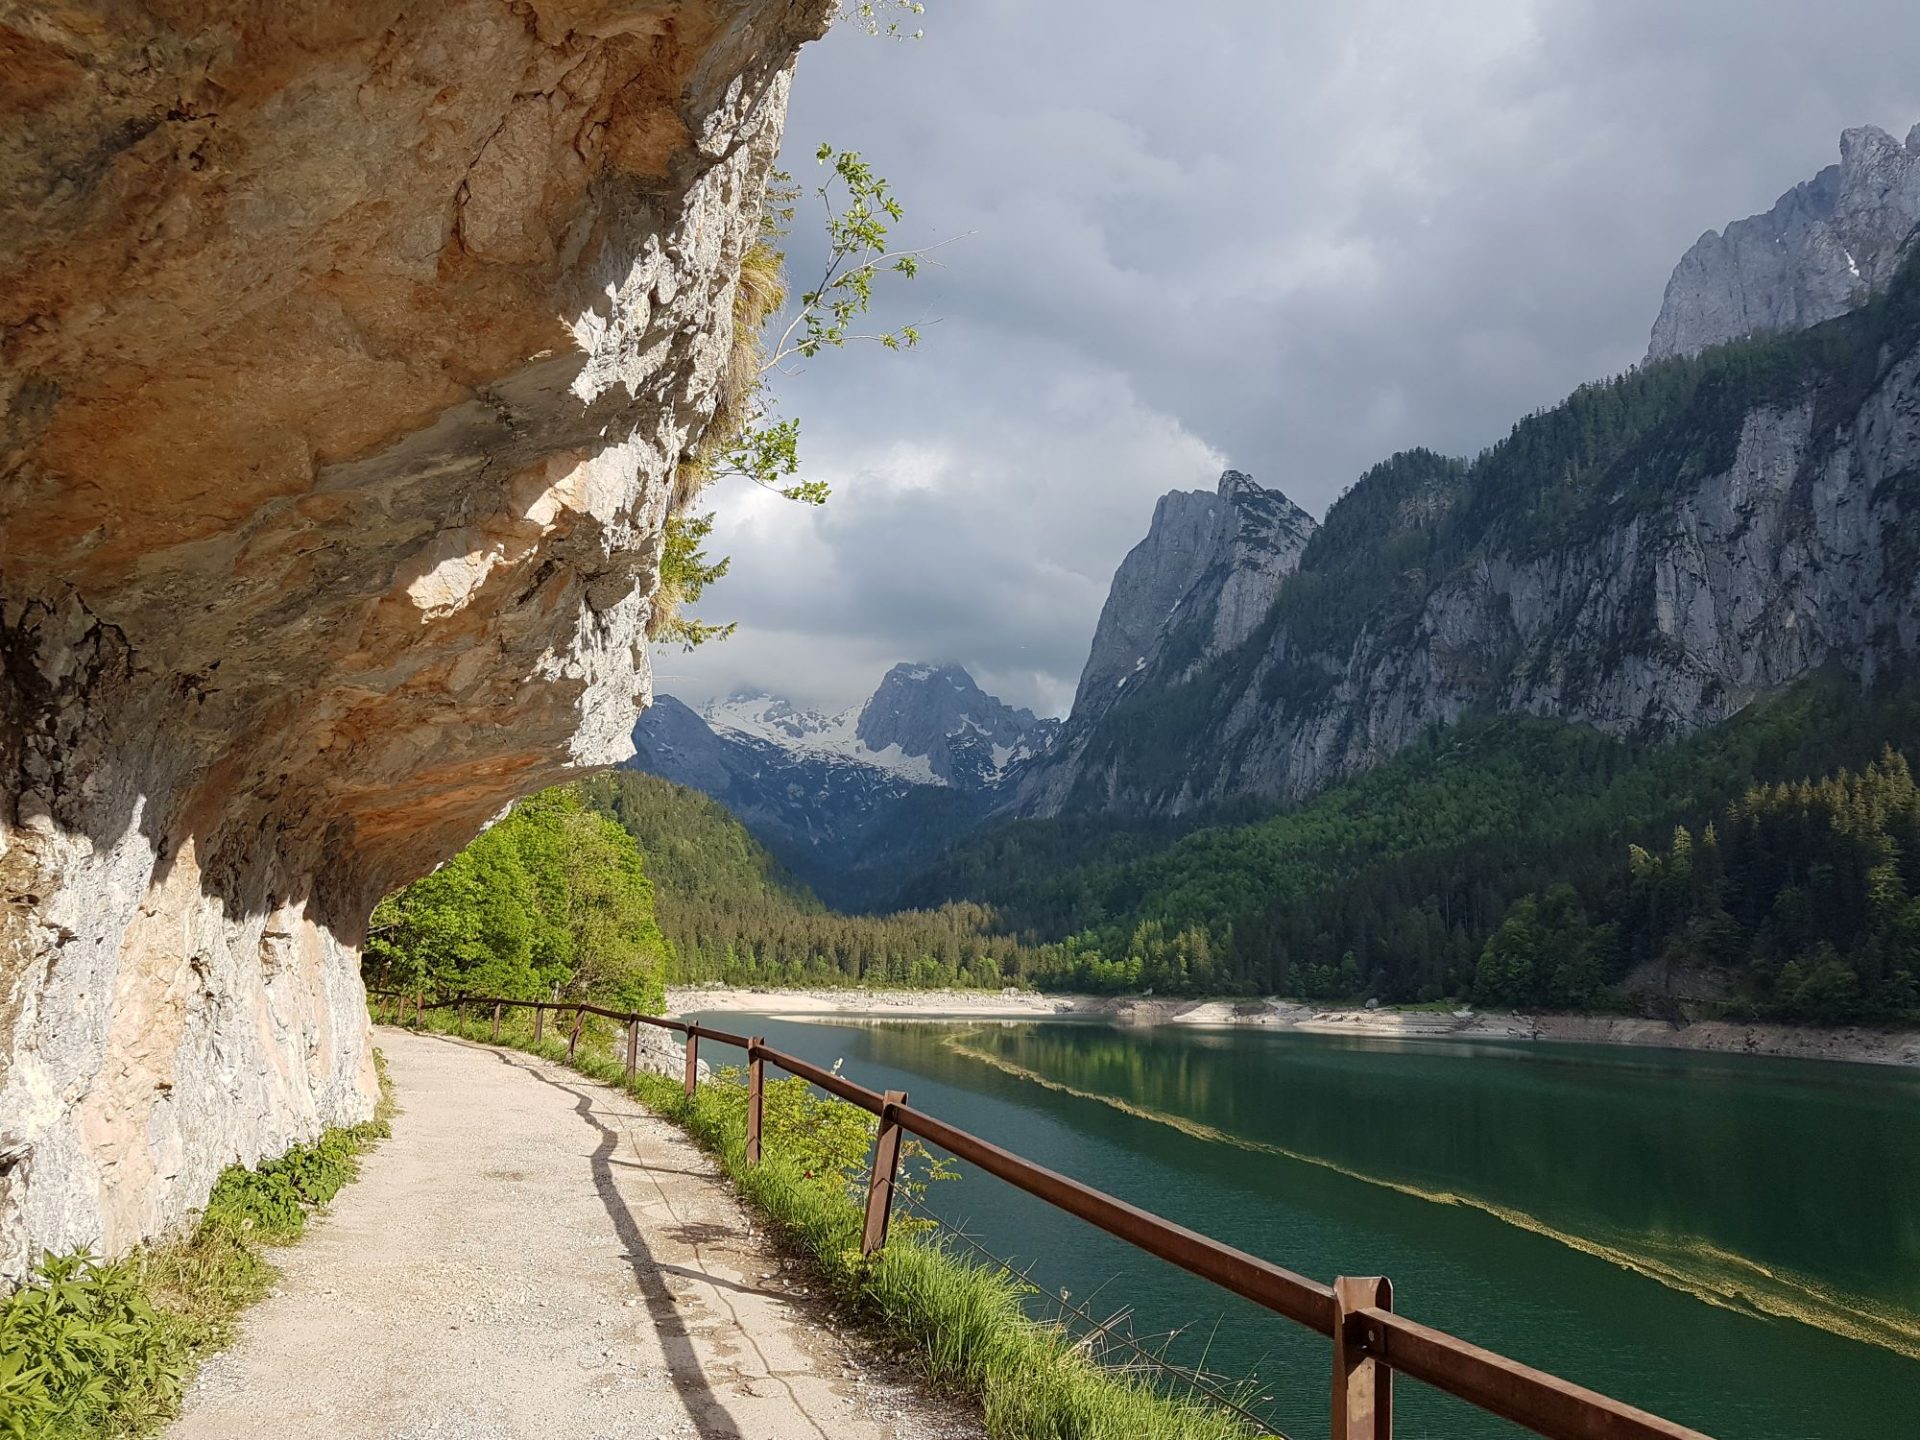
1209 560
1826 246
1752 579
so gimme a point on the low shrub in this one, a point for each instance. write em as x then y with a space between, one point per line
103 1348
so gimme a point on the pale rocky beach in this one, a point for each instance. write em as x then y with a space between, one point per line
1853 1043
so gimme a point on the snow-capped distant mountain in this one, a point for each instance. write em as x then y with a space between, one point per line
757 716
936 713
852 801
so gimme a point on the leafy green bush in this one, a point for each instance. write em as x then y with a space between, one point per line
93 1347
271 1202
80 1336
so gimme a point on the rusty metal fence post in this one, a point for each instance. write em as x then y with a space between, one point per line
756 1086
1362 1382
886 1166
693 1061
573 1040
539 1022
633 1047
496 1022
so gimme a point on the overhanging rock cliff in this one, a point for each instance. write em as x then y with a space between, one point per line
349 353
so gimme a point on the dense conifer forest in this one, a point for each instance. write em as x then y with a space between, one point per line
1433 876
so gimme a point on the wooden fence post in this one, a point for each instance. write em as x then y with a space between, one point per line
419 1010
693 1061
633 1047
886 1166
1362 1383
573 1040
756 1085
496 1022
539 1022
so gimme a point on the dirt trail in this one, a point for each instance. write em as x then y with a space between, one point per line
533 1254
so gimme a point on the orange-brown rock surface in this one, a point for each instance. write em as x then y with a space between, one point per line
348 352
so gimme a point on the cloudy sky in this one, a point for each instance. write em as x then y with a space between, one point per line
1283 236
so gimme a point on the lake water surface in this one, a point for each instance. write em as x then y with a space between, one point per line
1729 1241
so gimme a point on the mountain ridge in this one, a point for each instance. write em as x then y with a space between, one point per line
1647 557
1825 247
850 801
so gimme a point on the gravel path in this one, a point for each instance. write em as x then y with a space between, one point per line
533 1254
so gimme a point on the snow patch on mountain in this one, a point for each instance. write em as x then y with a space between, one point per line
756 715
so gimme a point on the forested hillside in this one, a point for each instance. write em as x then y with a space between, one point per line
1771 865
613 887
732 914
1392 885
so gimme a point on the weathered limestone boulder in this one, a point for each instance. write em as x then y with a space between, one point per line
347 352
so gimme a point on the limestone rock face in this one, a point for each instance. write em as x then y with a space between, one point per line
1209 560
1743 582
1193 591
1827 245
349 352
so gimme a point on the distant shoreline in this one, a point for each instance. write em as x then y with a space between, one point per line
1853 1044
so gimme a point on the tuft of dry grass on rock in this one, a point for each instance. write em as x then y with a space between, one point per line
759 291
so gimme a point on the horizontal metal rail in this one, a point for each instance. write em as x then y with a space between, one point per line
1370 1339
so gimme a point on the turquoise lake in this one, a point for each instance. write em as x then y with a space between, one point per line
1731 1242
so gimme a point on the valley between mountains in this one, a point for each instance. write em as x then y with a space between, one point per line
1616 714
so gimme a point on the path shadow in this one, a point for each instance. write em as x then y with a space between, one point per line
664 1170
706 1278
710 1417
697 1233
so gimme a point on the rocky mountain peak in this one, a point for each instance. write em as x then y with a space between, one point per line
1212 561
1824 248
850 801
937 711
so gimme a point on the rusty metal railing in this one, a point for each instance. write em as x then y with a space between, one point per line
1370 1340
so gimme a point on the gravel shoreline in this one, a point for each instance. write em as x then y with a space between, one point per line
1854 1044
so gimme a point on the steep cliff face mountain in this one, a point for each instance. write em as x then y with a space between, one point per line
852 801
1647 558
1826 246
349 355
1199 584
1207 574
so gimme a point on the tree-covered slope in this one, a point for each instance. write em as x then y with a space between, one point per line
1391 884
552 899
731 913
1772 863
